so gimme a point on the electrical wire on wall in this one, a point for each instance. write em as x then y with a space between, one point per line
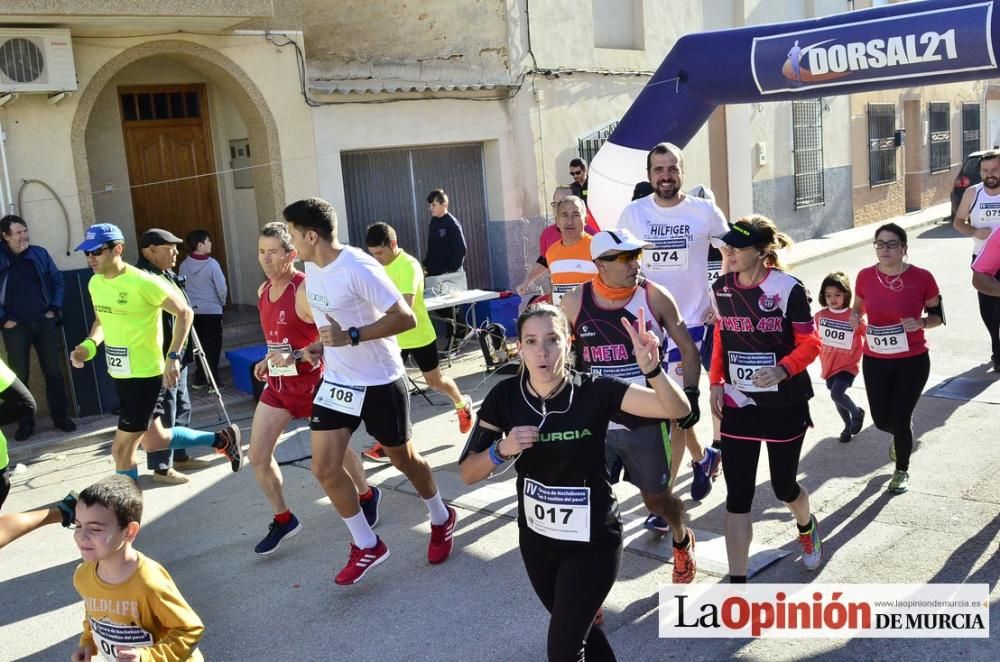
55 196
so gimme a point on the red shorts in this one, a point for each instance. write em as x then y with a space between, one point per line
293 394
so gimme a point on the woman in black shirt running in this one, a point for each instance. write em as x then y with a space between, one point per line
552 422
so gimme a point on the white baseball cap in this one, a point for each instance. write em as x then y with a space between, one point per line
618 240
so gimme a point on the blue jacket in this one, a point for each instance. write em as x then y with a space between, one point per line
49 275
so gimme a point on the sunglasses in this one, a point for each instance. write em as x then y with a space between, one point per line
99 251
624 258
892 244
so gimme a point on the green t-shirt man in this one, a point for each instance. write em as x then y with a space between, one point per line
408 275
128 307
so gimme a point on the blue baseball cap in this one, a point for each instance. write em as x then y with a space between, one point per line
98 235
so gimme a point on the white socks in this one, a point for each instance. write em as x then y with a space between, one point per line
437 509
363 535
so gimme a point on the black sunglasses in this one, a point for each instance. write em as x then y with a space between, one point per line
99 251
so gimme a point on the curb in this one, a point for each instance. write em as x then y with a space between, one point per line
100 437
845 240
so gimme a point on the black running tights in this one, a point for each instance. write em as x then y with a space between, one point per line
572 585
894 387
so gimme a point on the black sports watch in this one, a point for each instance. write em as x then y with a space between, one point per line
355 336
174 355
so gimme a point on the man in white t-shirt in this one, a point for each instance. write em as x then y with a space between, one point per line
359 312
680 227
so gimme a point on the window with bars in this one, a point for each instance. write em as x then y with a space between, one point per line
588 146
881 143
939 121
807 148
182 103
970 129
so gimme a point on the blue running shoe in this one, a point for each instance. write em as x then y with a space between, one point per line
276 533
704 473
370 507
656 523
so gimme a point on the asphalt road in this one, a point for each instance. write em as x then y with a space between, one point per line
479 605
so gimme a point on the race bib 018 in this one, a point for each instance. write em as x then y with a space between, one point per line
888 339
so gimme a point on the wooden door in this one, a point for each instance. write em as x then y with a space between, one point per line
168 147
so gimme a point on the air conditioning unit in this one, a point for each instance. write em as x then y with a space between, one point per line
36 60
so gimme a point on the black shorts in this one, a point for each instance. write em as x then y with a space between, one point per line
385 412
138 398
426 357
774 424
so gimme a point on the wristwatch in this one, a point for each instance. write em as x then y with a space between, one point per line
174 355
355 336
297 354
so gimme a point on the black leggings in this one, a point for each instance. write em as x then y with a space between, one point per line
572 585
989 310
739 467
16 403
894 387
4 484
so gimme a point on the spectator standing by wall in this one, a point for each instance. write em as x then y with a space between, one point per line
206 289
31 300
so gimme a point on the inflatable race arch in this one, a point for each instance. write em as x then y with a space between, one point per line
906 44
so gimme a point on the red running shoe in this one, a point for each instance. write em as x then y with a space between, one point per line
376 453
465 416
360 562
441 538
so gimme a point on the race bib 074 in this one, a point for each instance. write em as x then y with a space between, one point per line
668 255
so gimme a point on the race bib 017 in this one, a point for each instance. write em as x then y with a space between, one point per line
561 513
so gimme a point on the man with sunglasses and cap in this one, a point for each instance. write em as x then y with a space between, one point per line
127 305
158 256
680 227
640 446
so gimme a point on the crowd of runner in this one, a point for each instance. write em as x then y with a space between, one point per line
611 368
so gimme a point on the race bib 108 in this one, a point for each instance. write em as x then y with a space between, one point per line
341 397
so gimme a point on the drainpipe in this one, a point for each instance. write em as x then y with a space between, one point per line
6 197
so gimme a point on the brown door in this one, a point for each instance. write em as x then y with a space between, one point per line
168 147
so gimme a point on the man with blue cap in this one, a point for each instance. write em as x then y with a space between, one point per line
128 303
